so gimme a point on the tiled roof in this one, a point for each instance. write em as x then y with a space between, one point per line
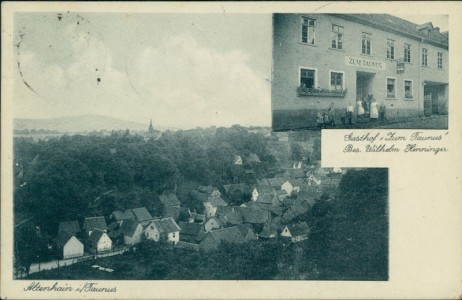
230 188
71 227
166 225
254 216
141 214
96 236
94 223
129 226
395 24
230 235
169 200
191 229
62 238
216 201
244 229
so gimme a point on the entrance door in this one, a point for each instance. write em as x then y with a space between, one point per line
364 88
435 103
428 104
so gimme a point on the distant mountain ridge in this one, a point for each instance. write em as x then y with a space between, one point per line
80 123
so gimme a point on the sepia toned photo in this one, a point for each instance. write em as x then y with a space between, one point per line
119 175
360 71
231 150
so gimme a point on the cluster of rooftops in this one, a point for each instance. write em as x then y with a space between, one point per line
272 210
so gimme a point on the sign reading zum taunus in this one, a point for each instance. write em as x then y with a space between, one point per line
365 63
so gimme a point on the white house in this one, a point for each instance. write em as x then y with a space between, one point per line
99 242
132 231
68 245
297 232
166 228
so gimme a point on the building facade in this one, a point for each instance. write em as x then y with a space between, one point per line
320 60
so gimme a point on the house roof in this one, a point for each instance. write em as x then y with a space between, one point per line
233 217
263 181
199 217
254 216
299 229
71 227
62 238
397 25
276 181
222 210
277 210
141 214
187 246
120 216
171 212
207 189
96 235
266 189
244 229
216 201
129 226
269 230
166 225
169 200
91 223
191 229
266 198
230 235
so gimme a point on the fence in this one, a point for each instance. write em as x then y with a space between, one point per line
54 264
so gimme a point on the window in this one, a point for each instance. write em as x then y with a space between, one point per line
336 81
390 49
440 60
366 43
307 77
407 53
424 57
407 89
391 88
336 37
308 30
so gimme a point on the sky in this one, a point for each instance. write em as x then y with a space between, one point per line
181 70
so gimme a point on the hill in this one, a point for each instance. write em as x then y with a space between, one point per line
78 124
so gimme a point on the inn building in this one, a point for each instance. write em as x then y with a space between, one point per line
320 59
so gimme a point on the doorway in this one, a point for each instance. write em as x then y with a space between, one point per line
364 88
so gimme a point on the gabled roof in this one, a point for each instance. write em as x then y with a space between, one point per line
71 227
222 210
207 189
169 200
245 228
263 181
120 216
166 225
266 198
396 25
91 223
276 182
141 214
254 216
129 226
233 217
266 189
191 229
171 212
62 238
277 210
269 230
230 235
96 235
216 201
299 229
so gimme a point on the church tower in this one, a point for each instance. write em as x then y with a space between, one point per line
151 129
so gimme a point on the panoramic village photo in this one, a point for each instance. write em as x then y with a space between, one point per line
339 71
149 155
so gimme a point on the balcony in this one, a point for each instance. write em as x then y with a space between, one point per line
319 92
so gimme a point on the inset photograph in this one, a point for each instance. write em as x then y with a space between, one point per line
360 71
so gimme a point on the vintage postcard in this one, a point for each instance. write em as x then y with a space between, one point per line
306 150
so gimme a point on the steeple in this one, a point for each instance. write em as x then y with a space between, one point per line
151 129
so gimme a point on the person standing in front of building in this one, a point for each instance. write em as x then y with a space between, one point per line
382 109
331 113
374 110
319 120
350 110
359 105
